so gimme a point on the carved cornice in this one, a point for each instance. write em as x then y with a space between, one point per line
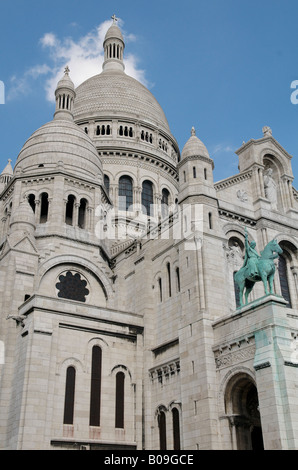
234 352
232 180
237 217
165 371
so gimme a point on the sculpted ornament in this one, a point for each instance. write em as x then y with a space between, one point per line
257 267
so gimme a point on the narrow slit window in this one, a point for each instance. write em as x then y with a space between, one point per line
169 279
44 208
95 397
119 406
69 395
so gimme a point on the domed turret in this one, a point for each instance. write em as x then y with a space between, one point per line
22 218
194 147
6 175
195 169
113 48
65 95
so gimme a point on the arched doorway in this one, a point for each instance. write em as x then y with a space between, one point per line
242 408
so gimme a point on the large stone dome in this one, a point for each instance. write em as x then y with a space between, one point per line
113 92
60 143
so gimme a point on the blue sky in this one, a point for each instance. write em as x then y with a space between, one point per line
222 66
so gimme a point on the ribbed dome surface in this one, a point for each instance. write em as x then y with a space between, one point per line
60 142
114 32
113 93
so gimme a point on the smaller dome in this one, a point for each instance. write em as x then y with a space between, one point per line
194 147
66 81
23 216
114 32
60 142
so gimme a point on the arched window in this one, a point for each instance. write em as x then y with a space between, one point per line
69 209
125 193
147 197
95 394
119 405
44 208
106 182
165 203
283 278
69 395
178 279
160 288
169 279
210 220
162 430
31 200
82 213
176 428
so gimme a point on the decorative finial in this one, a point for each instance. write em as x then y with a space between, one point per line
66 70
267 131
193 131
114 18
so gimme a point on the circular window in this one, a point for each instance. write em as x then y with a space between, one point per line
72 285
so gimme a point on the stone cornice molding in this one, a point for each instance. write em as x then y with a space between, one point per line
232 180
196 157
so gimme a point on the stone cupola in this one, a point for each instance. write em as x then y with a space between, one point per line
65 95
113 48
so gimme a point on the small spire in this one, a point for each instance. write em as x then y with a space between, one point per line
66 70
193 131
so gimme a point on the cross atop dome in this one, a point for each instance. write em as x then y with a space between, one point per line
66 70
114 18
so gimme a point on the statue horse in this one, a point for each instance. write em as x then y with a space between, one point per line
265 272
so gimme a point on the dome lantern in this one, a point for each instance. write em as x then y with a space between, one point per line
113 48
65 95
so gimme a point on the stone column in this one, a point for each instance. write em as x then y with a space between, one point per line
75 216
37 211
294 270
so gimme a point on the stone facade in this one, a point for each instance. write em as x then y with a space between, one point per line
120 326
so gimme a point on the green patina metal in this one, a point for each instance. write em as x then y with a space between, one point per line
257 267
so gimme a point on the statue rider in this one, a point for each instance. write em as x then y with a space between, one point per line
251 258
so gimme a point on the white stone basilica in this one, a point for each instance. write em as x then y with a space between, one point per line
120 324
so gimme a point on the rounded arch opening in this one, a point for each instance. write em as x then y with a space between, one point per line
242 406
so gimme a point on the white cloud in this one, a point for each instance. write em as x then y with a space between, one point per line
23 85
83 56
222 148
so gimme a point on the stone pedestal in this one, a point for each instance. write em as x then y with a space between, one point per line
270 361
